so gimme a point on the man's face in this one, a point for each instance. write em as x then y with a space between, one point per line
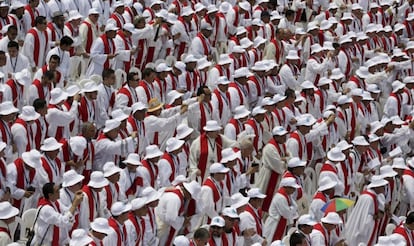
2 60
94 18
91 95
216 231
55 195
60 21
53 64
13 51
4 11
12 34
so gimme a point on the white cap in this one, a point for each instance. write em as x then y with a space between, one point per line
255 193
71 177
179 179
259 66
111 124
212 126
181 241
199 6
183 130
130 28
118 3
97 180
50 144
74 15
203 63
152 151
373 138
289 182
306 219
306 120
238 200
307 85
174 144
29 113
218 168
218 221
278 98
93 11
326 183
296 162
187 11
32 158
324 81
356 6
7 108
360 140
80 237
204 25
343 99
347 16
335 154
119 115
230 212
111 27
119 208
133 159
377 181
258 110
223 80
279 131
110 169
332 218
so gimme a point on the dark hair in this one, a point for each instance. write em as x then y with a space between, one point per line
290 93
54 57
12 27
201 233
289 12
66 40
147 71
13 44
296 239
2 52
39 103
40 20
48 188
49 74
131 76
107 72
200 90
410 218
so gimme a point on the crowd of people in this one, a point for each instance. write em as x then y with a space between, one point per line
228 123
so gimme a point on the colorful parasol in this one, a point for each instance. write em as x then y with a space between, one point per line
337 204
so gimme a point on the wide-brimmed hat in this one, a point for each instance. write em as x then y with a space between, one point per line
292 55
90 86
154 104
360 140
193 188
228 154
50 144
173 144
387 171
241 112
289 182
335 154
152 151
332 218
255 193
138 106
258 110
306 219
111 125
212 126
78 144
110 169
138 203
305 120
119 208
7 108
296 162
111 27
218 168
399 163
151 195
183 131
238 200
326 183
100 225
377 181
97 180
23 77
32 158
119 115
57 95
80 237
7 211
29 113
71 177
74 15
133 158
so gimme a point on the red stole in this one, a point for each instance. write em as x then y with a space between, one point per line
398 99
46 166
55 206
89 36
28 136
257 217
281 226
126 92
33 31
114 225
20 178
59 129
279 50
132 190
253 123
127 64
325 234
109 195
169 159
145 85
39 87
236 125
203 116
153 174
301 149
403 231
239 91
216 194
180 195
139 229
83 110
13 87
91 201
220 100
33 14
204 43
119 19
109 48
372 238
202 163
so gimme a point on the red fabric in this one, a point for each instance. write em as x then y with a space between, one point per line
114 225
39 88
89 37
46 166
107 48
235 123
33 14
282 225
13 87
257 217
119 19
319 195
288 174
83 110
144 85
132 190
37 45
202 163
274 177
153 175
91 201
55 237
169 159
320 228
279 50
372 238
203 117
126 92
59 129
239 91
401 230
109 195
28 136
20 179
204 40
139 229
127 64
172 231
252 122
216 194
256 81
309 149
6 230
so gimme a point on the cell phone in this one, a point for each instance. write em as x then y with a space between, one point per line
254 164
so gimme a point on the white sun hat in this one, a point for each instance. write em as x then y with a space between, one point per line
111 125
97 180
29 113
100 225
50 144
90 86
182 240
119 115
255 193
32 158
289 182
296 162
377 181
332 218
138 106
7 211
57 95
306 120
72 90
212 126
78 144
7 108
71 177
399 163
133 158
152 151
218 168
241 112
80 237
173 144
138 203
228 154
258 110
279 131
119 208
306 219
183 131
193 188
110 169
292 55
386 171
238 200
326 183
335 154
360 140
397 85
